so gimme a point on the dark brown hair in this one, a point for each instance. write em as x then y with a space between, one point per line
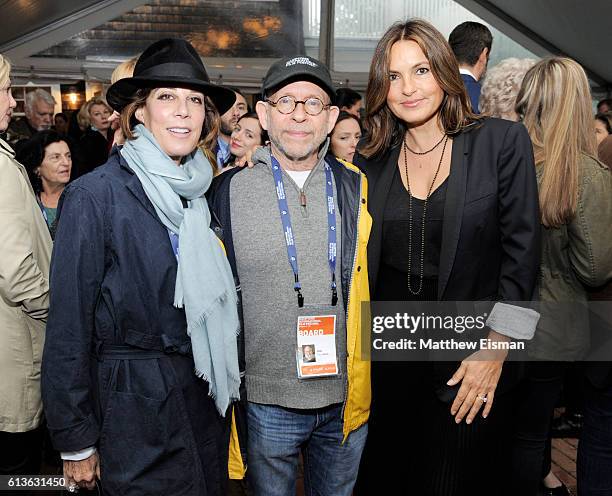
263 134
346 97
32 152
210 129
385 130
128 120
606 119
344 115
604 151
468 40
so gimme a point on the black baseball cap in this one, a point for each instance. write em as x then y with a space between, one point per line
297 68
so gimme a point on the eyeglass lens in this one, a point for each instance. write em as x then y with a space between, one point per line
287 104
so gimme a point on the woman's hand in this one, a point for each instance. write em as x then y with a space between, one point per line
82 473
115 125
479 374
247 160
114 120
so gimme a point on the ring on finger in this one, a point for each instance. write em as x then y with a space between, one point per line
482 397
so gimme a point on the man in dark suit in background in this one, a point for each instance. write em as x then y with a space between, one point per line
39 105
471 42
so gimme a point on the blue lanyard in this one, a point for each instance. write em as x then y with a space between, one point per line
174 241
283 208
174 238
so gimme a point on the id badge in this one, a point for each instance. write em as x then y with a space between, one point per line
316 354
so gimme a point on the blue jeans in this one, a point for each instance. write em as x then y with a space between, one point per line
276 436
595 446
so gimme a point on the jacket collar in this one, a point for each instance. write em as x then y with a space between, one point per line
262 155
133 184
467 72
6 149
453 209
379 184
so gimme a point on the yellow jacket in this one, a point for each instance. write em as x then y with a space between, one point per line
353 192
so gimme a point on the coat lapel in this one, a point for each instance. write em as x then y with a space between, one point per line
6 149
135 187
379 191
453 210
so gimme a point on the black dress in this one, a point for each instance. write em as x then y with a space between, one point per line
490 252
414 445
393 273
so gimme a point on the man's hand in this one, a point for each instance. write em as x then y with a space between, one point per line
82 473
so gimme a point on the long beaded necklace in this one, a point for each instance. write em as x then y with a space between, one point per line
422 264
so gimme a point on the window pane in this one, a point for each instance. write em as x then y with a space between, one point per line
359 24
217 28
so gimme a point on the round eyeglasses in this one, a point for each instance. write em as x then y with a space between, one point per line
287 104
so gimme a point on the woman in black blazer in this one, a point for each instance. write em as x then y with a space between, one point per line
466 186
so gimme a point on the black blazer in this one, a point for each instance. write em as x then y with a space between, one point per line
491 228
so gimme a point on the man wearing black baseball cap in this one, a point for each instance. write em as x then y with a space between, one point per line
301 68
295 228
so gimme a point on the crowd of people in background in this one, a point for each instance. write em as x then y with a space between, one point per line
170 362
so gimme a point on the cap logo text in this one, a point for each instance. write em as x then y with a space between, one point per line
300 60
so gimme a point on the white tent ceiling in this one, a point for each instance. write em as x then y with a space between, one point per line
579 29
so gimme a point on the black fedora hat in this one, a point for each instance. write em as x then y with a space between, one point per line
171 62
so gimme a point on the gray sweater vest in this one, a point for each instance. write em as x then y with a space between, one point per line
269 300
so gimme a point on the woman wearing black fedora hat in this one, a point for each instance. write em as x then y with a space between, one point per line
140 364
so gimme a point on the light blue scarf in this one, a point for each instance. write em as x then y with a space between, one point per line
204 282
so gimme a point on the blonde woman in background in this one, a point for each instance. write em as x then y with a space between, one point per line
82 120
575 190
123 70
95 145
501 85
25 251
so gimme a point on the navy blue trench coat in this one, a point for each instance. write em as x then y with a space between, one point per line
117 369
